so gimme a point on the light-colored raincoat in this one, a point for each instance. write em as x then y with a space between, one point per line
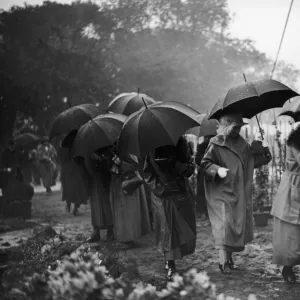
229 199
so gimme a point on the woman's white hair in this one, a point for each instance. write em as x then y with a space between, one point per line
227 122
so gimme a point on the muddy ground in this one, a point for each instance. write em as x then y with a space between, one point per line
257 274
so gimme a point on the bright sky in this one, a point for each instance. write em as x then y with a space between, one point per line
260 20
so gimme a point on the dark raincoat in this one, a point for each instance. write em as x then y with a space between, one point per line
74 183
130 211
229 200
99 189
173 208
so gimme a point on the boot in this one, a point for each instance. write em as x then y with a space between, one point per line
224 268
231 264
95 237
288 274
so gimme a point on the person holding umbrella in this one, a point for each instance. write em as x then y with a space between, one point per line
98 165
74 182
165 171
229 164
128 201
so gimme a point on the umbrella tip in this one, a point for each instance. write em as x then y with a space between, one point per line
138 90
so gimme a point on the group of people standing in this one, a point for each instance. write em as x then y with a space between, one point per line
129 198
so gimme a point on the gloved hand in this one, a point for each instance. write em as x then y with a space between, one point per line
265 144
222 172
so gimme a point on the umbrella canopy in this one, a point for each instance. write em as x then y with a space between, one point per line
73 118
208 127
27 140
291 109
251 98
100 132
159 124
128 103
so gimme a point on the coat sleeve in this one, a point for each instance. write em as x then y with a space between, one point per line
210 162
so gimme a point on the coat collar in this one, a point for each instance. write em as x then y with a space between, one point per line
239 146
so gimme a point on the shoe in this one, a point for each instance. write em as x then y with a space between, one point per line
170 274
231 265
94 238
48 190
288 274
224 268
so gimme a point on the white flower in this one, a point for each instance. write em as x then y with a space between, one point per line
183 293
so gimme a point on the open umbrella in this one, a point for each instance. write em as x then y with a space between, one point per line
100 132
27 140
251 98
208 127
128 103
291 109
159 124
73 118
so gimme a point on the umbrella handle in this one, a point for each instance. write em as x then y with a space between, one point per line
261 133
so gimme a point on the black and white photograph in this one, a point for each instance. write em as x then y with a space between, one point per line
150 149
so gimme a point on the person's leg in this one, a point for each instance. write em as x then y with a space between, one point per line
110 235
170 258
223 264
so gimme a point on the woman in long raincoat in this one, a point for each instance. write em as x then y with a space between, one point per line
286 210
74 182
129 203
165 172
98 167
229 164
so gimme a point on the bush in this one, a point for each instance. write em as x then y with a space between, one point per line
84 278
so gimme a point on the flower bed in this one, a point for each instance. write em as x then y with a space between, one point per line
83 277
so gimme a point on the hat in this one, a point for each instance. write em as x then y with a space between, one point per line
233 119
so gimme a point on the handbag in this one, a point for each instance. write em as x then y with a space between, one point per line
132 183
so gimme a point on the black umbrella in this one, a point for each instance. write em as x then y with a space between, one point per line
100 132
128 103
159 124
291 109
251 98
207 128
72 118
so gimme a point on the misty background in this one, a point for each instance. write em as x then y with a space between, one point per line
174 50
